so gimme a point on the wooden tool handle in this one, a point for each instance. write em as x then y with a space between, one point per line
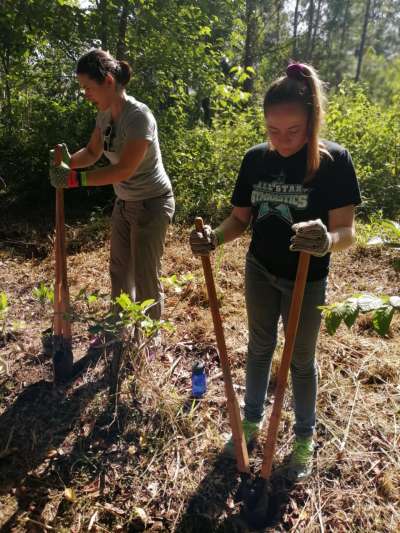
242 458
290 338
62 326
57 326
65 304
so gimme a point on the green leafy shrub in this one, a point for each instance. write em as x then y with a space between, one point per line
378 231
371 133
382 309
203 163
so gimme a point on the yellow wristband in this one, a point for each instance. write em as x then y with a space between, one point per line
219 237
83 179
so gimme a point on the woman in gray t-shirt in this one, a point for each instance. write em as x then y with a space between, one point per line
126 132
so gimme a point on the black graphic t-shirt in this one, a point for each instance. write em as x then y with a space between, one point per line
273 186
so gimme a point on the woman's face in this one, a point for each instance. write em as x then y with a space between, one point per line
100 94
287 127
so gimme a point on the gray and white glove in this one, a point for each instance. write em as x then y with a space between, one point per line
311 237
66 156
202 243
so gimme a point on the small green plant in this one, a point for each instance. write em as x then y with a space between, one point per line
382 309
378 231
135 314
124 314
390 233
43 293
126 329
4 308
90 298
178 283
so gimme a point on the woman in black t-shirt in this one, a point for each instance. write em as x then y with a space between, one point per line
299 193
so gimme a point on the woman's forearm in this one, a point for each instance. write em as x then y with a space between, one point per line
107 175
83 158
130 159
231 228
342 238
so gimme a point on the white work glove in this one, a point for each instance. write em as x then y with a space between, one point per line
311 237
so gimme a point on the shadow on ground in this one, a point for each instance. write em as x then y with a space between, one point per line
34 431
225 500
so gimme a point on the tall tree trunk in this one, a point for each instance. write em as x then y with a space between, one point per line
278 5
295 28
206 109
311 9
7 90
315 30
250 44
343 36
342 44
123 24
363 39
102 6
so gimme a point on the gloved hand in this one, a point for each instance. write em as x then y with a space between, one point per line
66 156
66 178
311 237
202 243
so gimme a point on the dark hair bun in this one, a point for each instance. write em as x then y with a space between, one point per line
98 63
123 74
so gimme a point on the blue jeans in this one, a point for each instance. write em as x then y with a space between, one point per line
268 297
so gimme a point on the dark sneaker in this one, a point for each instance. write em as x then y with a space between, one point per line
251 431
300 462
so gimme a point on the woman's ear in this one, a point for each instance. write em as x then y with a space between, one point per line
109 80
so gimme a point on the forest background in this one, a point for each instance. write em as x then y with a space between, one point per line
202 67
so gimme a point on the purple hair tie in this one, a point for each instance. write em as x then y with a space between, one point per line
295 70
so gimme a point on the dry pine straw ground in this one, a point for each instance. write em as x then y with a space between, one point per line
161 453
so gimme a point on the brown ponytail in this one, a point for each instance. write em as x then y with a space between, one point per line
302 85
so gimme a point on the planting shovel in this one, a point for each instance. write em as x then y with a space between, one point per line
62 338
242 458
258 499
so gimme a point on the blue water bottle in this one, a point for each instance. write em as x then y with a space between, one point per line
199 382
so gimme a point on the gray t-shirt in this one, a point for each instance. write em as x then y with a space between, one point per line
136 121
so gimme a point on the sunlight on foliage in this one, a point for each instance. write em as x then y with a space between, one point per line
378 231
4 308
382 309
43 293
177 283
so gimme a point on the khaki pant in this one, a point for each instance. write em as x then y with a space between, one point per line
137 245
